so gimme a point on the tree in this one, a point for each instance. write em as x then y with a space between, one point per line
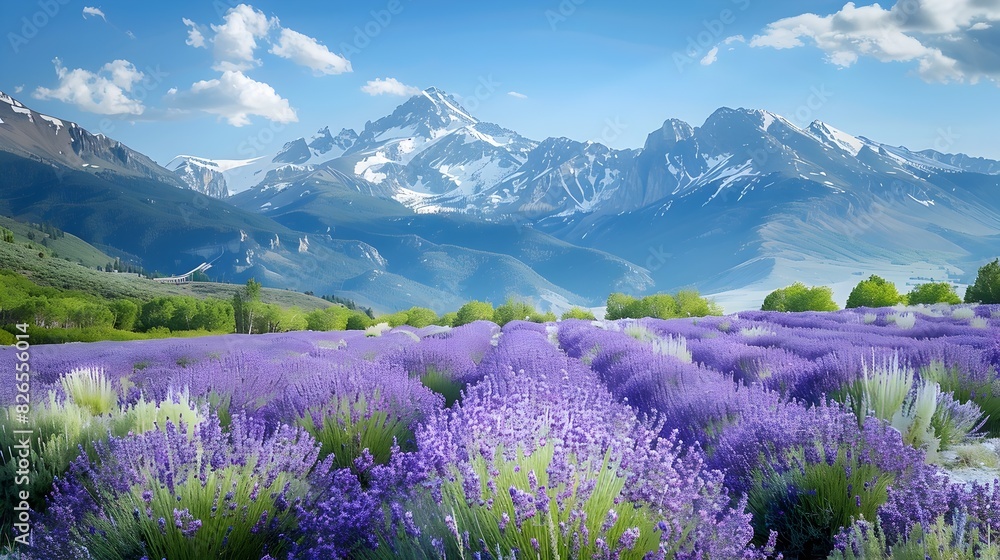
512 311
619 306
332 318
547 317
421 317
873 292
157 313
292 319
358 321
215 315
183 317
798 297
247 306
474 311
933 292
691 304
987 286
126 312
660 306
448 319
395 319
578 313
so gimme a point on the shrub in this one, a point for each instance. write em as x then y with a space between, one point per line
512 311
685 303
421 317
873 292
963 538
903 320
798 297
65 426
448 319
887 392
808 505
578 313
90 389
332 318
933 292
986 289
473 311
673 346
358 321
164 494
349 425
691 304
619 306
968 387
563 471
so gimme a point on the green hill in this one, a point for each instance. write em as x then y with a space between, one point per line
65 271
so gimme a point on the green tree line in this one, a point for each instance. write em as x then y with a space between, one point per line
876 291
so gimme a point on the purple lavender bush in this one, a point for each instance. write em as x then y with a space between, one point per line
539 460
167 494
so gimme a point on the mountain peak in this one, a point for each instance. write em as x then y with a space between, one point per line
442 104
836 137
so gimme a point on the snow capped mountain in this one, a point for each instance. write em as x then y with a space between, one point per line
221 178
28 133
434 155
745 197
455 208
561 177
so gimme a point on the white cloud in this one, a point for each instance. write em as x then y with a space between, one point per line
195 37
236 40
19 89
308 52
710 57
104 92
932 33
734 39
130 34
92 11
517 95
244 28
388 86
234 97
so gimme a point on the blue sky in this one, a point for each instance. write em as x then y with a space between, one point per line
609 71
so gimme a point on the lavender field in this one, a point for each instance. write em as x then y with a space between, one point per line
864 433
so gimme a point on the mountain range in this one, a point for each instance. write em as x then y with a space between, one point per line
431 206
